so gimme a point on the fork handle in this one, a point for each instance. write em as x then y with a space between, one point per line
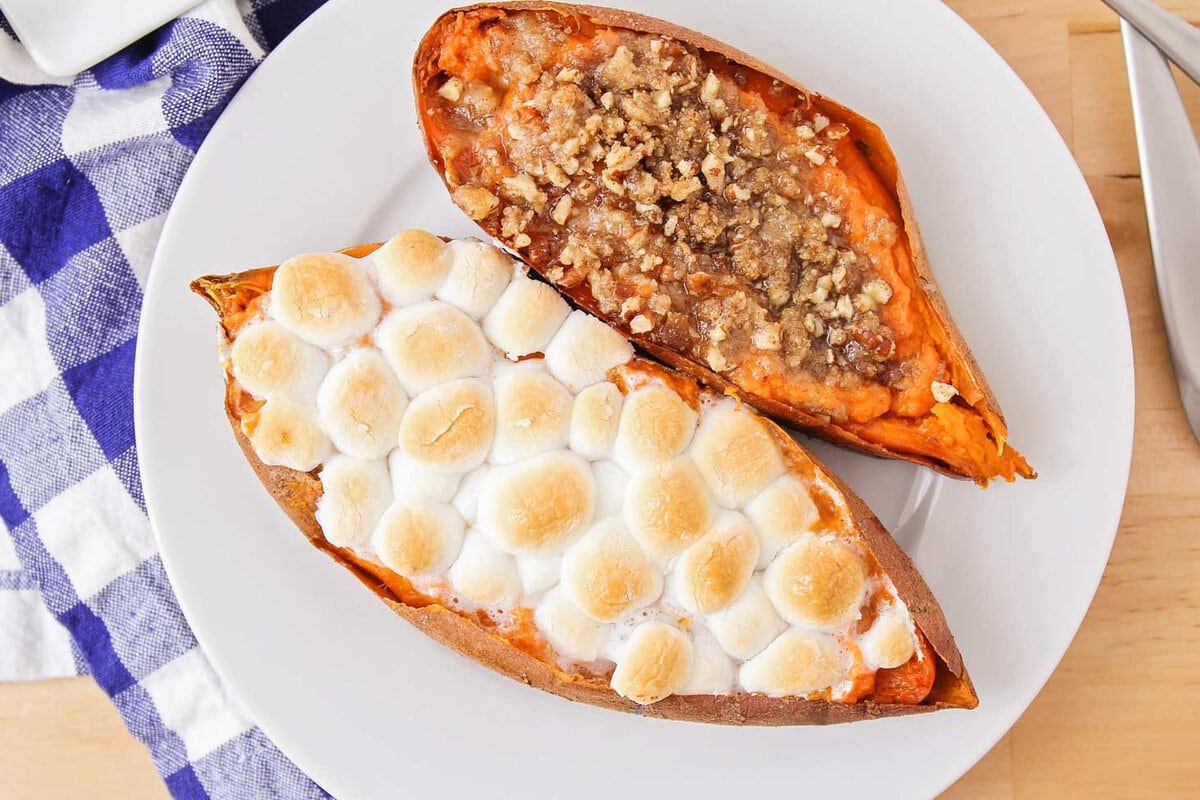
1170 159
1174 36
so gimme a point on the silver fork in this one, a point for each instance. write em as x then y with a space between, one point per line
1171 34
1170 159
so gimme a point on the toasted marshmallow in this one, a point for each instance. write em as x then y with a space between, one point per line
748 624
449 427
484 575
533 413
537 572
584 350
735 453
413 481
324 298
667 507
712 671
354 494
818 582
525 317
411 266
418 537
607 575
269 361
538 505
782 512
656 662
361 404
656 424
611 482
794 665
479 273
466 499
431 343
714 570
594 420
571 632
287 434
891 640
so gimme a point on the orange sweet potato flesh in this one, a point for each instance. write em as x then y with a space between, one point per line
935 679
471 142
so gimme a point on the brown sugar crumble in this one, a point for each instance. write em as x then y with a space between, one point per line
684 205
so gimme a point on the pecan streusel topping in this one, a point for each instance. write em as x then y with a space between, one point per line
695 211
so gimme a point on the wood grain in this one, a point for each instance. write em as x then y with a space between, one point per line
63 740
1121 716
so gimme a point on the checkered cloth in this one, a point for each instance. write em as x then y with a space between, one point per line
88 169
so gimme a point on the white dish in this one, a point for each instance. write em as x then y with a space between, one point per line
320 150
66 38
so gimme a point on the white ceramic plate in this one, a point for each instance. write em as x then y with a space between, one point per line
320 150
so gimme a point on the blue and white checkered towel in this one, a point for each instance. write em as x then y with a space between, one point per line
88 169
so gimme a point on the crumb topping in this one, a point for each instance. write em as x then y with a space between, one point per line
691 209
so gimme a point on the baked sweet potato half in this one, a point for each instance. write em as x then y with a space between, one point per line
733 224
511 479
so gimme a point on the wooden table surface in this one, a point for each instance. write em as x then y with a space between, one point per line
1121 716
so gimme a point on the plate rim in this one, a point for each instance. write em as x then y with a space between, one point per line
1125 437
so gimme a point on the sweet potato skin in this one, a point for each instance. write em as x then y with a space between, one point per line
968 375
297 493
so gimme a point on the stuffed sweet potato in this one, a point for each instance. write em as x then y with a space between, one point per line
731 223
512 480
